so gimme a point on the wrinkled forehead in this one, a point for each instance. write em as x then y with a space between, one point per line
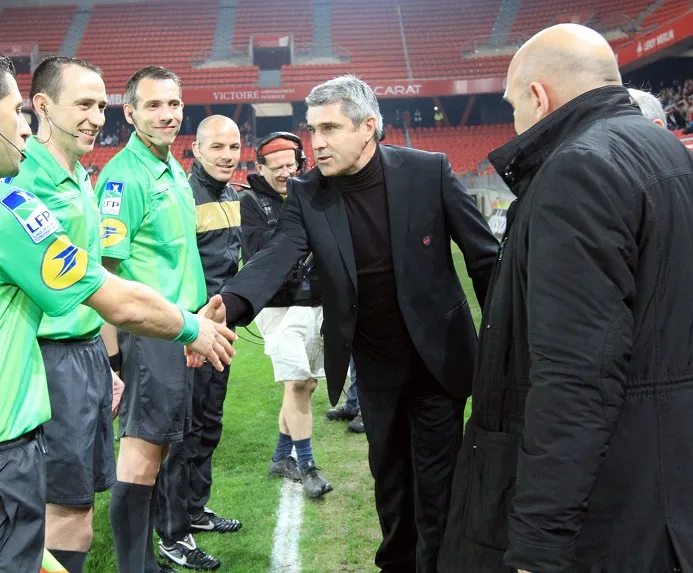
326 115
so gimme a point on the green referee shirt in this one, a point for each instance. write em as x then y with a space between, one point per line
40 271
148 221
73 202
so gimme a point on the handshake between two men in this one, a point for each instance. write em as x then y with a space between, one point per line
215 339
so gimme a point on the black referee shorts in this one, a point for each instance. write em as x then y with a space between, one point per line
22 504
80 460
157 402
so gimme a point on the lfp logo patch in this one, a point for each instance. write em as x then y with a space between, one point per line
34 216
113 232
112 198
63 264
6 180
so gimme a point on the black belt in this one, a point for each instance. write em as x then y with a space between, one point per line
20 441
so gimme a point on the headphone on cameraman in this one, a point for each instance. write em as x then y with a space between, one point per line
300 156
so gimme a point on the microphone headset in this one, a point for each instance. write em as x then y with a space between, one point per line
207 161
13 145
52 123
300 156
132 119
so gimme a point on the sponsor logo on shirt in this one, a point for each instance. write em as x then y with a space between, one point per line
33 215
63 264
6 180
113 232
112 198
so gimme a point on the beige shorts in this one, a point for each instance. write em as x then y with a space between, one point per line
293 341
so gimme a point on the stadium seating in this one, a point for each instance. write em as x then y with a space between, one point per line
273 17
124 37
436 29
533 15
42 25
466 146
370 32
488 66
667 11
121 37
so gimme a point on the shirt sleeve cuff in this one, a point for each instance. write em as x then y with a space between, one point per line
526 556
237 309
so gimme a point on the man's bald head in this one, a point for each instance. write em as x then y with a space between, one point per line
214 124
554 67
218 146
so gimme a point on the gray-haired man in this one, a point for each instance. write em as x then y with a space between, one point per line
650 106
379 221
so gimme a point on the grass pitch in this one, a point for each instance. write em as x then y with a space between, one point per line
339 534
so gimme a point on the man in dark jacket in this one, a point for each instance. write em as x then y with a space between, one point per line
577 456
290 323
185 481
379 221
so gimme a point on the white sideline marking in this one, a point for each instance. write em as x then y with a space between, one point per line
285 555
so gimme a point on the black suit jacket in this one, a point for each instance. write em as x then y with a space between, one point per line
428 207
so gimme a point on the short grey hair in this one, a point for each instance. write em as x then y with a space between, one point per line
649 104
356 96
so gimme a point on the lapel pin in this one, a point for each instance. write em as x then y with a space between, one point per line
426 240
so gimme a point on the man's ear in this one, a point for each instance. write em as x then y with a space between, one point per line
41 102
127 110
540 100
369 125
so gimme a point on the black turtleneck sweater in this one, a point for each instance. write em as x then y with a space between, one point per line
380 327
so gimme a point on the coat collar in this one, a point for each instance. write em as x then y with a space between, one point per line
519 159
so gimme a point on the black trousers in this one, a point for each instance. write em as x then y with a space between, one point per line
414 430
185 480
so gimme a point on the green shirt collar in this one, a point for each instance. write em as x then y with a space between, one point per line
145 155
39 153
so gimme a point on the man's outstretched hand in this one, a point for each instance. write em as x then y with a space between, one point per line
214 310
214 341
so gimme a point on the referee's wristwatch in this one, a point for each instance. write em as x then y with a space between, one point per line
116 361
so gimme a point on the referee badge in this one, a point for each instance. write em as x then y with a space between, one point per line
112 197
37 220
63 264
113 232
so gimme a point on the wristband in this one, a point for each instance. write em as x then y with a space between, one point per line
191 328
116 361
